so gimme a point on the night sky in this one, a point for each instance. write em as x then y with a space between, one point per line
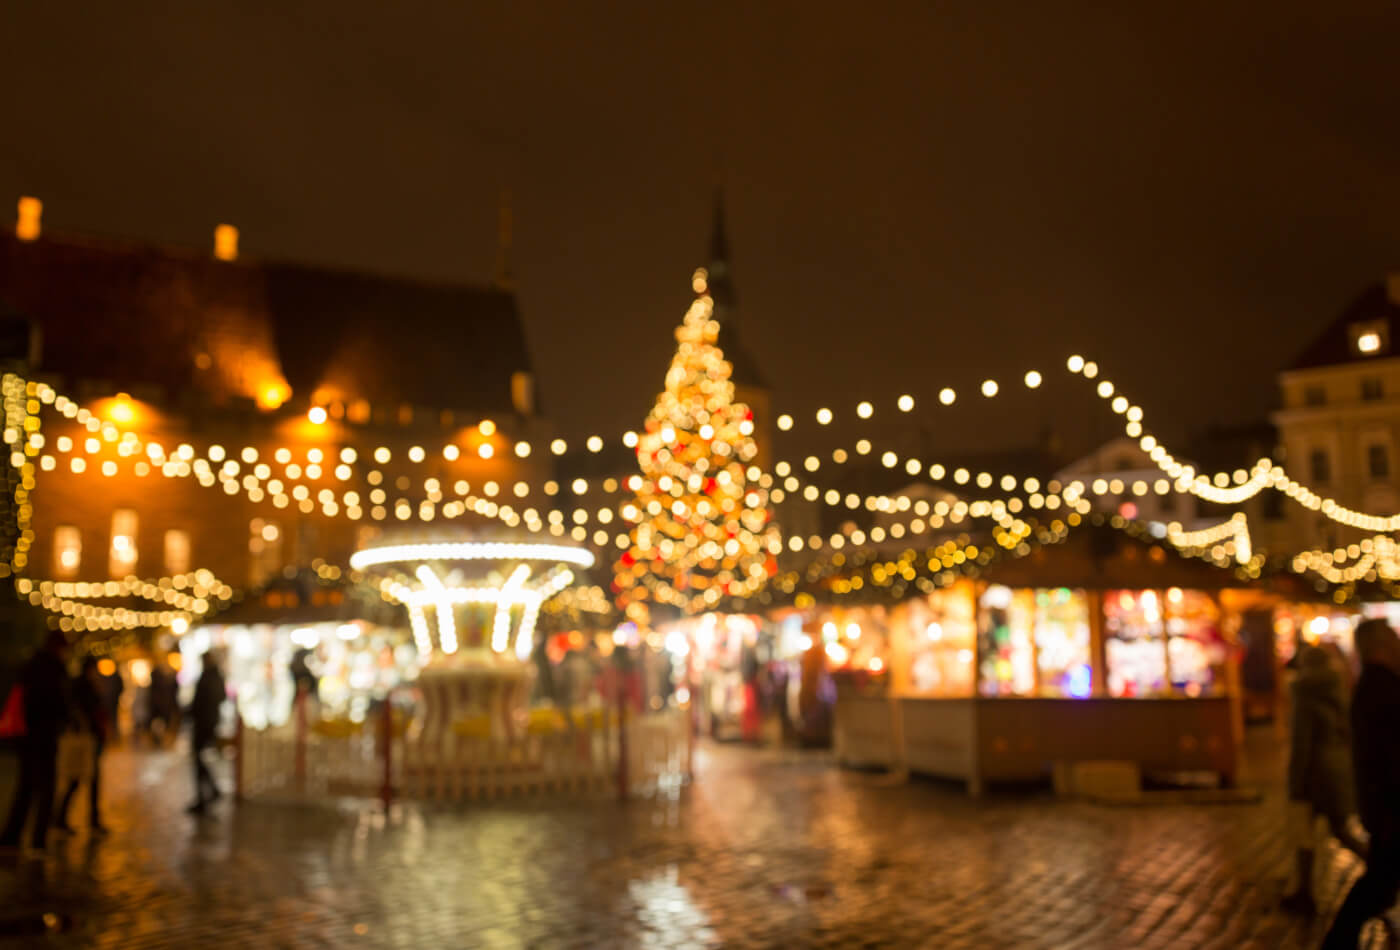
919 194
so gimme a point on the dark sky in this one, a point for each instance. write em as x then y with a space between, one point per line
919 194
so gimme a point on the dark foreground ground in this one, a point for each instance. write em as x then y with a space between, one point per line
766 849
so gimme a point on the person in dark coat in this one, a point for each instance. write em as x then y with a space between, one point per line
1319 765
209 695
47 708
87 702
1375 729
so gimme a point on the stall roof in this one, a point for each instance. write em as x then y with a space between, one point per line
305 599
1099 556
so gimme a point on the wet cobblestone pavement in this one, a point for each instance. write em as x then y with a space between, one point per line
767 849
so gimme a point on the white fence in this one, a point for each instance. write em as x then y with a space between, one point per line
551 757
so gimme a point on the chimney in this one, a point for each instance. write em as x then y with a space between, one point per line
1392 288
30 211
226 242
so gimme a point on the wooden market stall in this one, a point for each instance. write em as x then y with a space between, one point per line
1104 647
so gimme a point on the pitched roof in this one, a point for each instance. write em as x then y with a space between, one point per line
139 316
1379 303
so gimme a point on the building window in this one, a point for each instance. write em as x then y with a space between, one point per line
177 551
121 559
67 550
1320 464
1314 396
1378 461
1371 389
264 550
1371 338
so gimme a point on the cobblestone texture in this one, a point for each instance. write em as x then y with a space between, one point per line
767 849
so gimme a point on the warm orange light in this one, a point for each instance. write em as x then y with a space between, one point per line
175 661
273 395
317 415
30 211
226 242
106 667
121 410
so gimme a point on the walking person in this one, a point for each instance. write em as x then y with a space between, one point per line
1375 728
87 702
44 681
209 695
1319 766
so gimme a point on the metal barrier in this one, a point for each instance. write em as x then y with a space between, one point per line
587 753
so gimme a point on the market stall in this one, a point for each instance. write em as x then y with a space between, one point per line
1102 647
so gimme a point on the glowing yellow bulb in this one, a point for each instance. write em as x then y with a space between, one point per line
947 396
451 452
823 416
1032 379
486 427
595 444
522 450
485 450
629 439
906 403
416 454
317 415
989 388
865 410
558 446
785 422
1075 363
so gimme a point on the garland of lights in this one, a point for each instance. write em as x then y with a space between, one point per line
24 400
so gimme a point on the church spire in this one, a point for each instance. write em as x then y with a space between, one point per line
721 288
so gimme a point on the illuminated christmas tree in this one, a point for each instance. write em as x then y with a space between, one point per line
701 529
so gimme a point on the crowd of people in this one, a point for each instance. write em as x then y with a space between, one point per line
76 718
1344 763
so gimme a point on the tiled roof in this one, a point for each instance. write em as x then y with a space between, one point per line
139 316
1332 347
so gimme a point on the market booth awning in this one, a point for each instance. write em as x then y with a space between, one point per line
1099 556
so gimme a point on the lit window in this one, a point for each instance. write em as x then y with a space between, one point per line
1371 338
67 550
122 556
177 551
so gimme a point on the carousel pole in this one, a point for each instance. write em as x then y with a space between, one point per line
238 753
299 761
386 738
621 734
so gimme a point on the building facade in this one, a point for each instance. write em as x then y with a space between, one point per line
1339 423
245 417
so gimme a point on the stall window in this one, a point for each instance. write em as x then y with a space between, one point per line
121 558
1196 649
1007 647
1063 658
1378 461
67 550
177 551
1320 464
1134 641
942 642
